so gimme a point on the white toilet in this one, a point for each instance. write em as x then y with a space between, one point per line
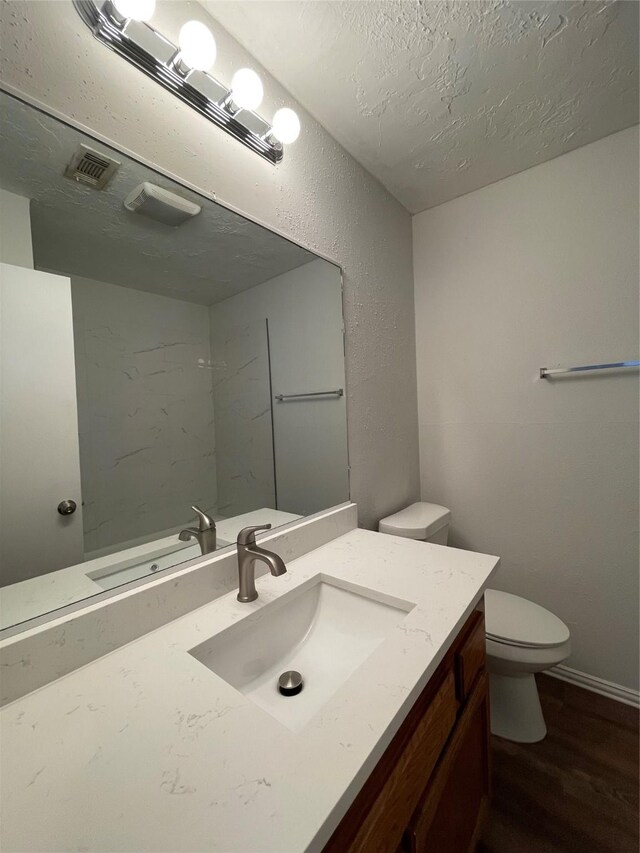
522 637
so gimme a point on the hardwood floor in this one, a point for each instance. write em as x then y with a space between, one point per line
577 790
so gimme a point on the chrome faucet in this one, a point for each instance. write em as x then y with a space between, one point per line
248 554
205 533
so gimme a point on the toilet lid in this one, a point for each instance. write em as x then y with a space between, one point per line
515 620
418 521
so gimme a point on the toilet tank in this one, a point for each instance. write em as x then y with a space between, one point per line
422 521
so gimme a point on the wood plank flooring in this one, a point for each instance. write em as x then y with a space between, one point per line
577 790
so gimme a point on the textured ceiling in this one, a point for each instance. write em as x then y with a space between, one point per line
79 230
437 99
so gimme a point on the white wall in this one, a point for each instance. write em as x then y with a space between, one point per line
15 230
304 311
145 411
318 196
540 269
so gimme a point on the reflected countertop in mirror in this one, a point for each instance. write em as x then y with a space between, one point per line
29 599
158 351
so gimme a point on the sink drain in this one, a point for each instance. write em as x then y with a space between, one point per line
290 683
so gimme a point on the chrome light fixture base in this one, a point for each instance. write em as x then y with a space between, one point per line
155 56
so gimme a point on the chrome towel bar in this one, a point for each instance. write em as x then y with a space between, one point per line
338 392
546 372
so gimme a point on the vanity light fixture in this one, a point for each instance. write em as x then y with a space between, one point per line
286 126
246 90
197 49
131 10
183 69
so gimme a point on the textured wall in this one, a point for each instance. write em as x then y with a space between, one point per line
437 98
319 196
538 270
145 411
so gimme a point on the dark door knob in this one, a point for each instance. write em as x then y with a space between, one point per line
67 507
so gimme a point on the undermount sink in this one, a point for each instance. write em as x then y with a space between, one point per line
324 630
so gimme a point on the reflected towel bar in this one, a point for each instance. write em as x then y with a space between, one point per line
338 392
546 372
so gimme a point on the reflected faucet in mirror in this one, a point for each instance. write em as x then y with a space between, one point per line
205 533
248 553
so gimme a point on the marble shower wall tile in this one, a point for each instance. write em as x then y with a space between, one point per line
311 468
239 372
145 411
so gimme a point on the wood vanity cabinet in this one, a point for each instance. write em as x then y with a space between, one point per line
429 793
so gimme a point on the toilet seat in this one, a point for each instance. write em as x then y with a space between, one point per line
517 645
514 621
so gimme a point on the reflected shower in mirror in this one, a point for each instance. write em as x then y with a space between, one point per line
171 371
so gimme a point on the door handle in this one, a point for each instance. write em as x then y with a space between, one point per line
67 507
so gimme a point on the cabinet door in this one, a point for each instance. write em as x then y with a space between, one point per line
376 823
450 817
39 451
470 659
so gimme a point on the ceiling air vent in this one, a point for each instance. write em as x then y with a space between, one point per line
91 167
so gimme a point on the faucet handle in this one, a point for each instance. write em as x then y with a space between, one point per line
205 521
247 535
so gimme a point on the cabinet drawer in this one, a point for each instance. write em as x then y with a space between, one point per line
470 659
382 827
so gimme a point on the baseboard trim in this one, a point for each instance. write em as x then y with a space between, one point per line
596 685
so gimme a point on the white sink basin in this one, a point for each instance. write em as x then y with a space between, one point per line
325 630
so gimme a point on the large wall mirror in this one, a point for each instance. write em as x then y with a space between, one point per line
159 352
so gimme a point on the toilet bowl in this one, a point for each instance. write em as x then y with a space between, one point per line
522 637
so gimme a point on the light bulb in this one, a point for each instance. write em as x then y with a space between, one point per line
197 46
285 126
246 89
135 10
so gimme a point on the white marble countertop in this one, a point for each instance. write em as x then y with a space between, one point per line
146 749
